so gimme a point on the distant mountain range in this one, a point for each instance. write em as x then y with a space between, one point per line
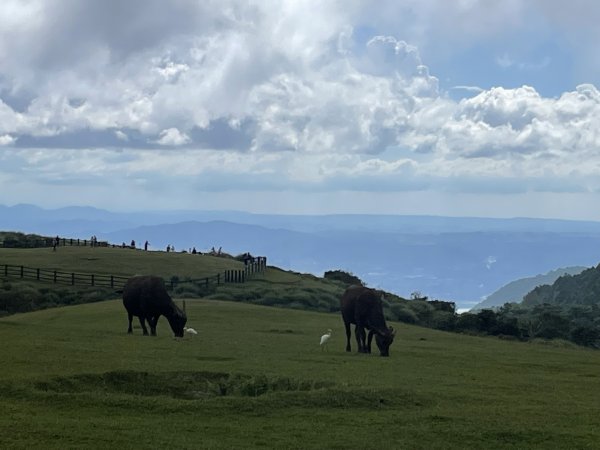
449 258
514 291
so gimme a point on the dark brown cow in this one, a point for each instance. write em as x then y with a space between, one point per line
146 297
362 307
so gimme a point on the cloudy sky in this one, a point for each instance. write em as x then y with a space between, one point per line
465 107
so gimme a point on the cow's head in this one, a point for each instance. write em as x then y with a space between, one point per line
384 340
177 320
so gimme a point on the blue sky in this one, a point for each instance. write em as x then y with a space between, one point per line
469 107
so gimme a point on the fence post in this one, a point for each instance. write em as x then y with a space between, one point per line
55 276
112 281
37 274
5 270
92 276
72 279
206 281
21 271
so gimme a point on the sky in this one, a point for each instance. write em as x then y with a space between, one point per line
458 108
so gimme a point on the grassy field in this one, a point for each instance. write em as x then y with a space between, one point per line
273 287
254 377
102 260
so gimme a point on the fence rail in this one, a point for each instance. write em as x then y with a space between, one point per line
67 278
51 242
117 282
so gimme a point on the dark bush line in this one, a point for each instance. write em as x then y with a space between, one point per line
344 277
578 324
20 296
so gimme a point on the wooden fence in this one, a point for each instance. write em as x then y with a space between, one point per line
59 277
256 266
49 242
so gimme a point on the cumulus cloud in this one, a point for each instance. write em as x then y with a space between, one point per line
333 100
173 136
7 139
121 135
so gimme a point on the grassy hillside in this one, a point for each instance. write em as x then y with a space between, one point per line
254 377
118 261
275 287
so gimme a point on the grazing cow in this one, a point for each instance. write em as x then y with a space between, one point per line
146 297
362 307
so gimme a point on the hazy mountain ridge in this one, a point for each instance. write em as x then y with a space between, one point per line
70 218
514 291
456 259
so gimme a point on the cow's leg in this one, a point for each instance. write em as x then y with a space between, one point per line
363 339
348 335
369 341
130 317
143 324
360 338
152 320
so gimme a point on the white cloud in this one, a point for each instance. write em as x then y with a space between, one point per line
7 139
506 62
121 135
308 91
173 137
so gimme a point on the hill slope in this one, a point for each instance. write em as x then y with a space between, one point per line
188 272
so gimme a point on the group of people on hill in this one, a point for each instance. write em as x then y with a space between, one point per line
132 245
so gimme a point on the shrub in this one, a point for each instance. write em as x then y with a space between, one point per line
403 313
443 320
344 277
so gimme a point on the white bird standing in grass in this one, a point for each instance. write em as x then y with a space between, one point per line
324 339
190 330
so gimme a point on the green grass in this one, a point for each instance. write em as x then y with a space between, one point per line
72 378
275 287
102 260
